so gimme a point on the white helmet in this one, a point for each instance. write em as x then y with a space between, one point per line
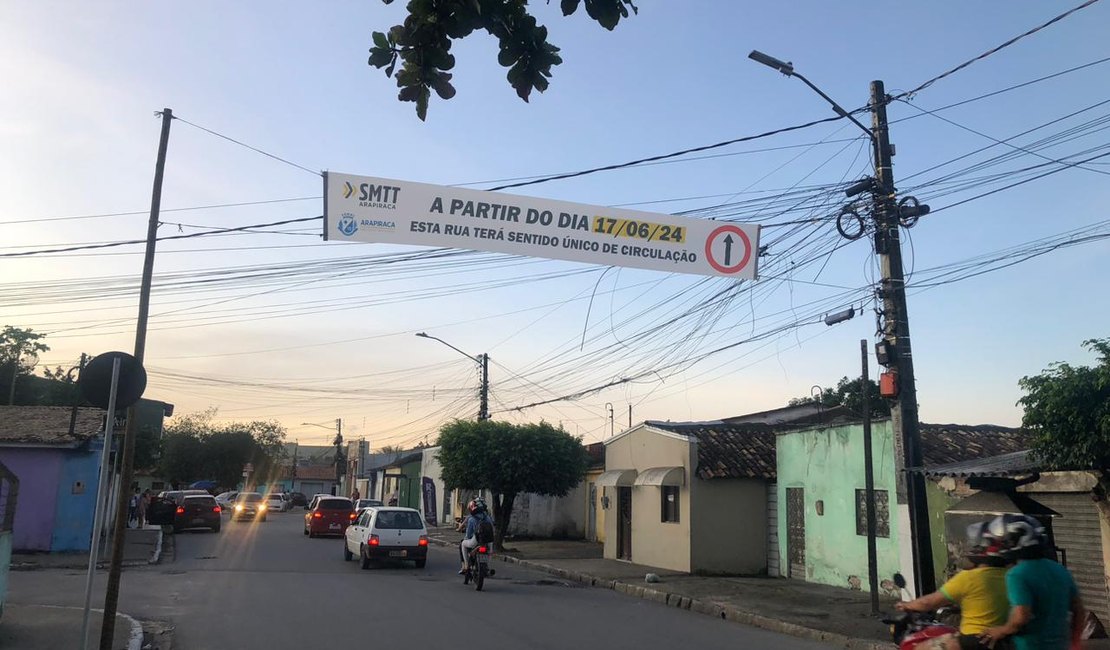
1021 534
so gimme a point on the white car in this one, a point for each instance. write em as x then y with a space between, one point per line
277 503
396 534
226 500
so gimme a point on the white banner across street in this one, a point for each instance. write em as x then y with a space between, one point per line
382 210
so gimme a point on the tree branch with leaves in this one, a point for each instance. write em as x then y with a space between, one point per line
422 43
508 460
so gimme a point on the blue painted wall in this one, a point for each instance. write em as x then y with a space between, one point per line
75 507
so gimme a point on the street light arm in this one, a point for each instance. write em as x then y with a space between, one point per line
787 68
425 335
836 107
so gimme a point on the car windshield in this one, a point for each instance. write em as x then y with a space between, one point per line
275 497
334 504
250 498
368 503
200 501
398 519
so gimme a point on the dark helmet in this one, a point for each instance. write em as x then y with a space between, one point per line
1021 535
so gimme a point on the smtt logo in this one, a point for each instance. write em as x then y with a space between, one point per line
348 225
373 196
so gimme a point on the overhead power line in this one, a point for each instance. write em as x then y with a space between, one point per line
243 144
994 50
143 241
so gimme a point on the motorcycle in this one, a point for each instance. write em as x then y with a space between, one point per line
910 630
478 566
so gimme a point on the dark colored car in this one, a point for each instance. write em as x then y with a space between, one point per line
298 499
329 516
249 505
197 512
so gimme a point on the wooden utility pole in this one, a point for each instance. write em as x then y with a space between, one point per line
111 597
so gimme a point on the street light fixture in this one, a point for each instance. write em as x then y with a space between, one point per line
483 364
788 69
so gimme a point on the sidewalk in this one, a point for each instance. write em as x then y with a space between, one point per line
45 627
818 612
140 547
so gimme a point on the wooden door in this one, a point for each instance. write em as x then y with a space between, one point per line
796 532
624 525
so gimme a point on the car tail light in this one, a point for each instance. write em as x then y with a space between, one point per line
483 549
352 517
374 541
317 515
216 509
423 540
180 510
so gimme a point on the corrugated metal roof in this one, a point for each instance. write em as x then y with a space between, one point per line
1017 463
48 425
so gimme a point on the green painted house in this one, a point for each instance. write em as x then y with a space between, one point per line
822 525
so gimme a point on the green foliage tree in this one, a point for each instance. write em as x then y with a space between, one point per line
423 43
195 447
19 350
509 459
1067 408
848 394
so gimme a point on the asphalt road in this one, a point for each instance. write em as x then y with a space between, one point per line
265 585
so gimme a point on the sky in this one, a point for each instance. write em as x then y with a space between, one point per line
275 323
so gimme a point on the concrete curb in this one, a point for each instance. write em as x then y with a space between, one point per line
134 641
709 608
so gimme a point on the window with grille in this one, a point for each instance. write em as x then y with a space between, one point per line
882 513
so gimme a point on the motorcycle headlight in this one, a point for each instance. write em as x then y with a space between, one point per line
238 508
261 507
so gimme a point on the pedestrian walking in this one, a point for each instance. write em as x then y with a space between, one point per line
144 503
133 508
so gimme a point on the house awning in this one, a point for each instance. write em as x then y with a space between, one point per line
617 477
660 476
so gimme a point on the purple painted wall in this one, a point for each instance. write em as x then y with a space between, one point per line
39 471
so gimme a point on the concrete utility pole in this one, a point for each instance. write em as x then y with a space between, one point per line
111 597
483 365
888 215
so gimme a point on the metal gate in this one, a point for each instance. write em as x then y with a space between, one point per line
1078 534
796 532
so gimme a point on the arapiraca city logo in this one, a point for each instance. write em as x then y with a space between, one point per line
348 225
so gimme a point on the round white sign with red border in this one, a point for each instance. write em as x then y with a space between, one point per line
728 249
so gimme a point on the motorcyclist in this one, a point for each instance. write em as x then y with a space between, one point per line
1042 593
980 592
479 514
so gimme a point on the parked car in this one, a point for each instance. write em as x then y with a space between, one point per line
249 505
297 499
396 534
328 516
197 511
178 496
226 500
316 497
362 504
276 503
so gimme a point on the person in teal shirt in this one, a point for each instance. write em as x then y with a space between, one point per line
1046 612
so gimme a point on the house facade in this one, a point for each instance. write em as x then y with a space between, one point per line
1070 504
822 523
689 497
58 474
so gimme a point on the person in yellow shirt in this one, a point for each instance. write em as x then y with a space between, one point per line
979 592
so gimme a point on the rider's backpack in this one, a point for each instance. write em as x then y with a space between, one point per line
485 532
